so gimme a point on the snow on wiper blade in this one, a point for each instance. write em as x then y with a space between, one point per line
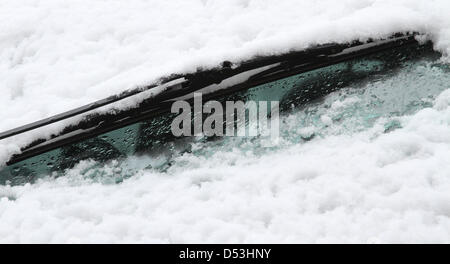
204 78
143 127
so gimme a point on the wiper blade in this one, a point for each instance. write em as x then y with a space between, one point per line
176 86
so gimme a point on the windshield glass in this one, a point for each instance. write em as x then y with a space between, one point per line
357 95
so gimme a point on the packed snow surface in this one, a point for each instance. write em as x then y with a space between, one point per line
352 182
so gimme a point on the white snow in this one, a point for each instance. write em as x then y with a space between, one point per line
364 186
56 55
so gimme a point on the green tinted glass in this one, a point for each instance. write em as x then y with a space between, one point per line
154 133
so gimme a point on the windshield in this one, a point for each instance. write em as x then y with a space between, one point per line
356 95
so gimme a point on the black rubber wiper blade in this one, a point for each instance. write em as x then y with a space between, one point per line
203 78
158 100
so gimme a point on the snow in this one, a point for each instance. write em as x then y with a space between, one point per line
57 55
362 186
